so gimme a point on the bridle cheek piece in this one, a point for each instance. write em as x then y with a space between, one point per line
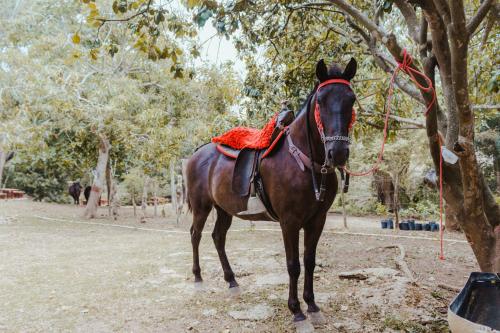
317 115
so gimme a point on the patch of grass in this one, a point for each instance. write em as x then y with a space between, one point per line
403 325
438 295
411 326
438 325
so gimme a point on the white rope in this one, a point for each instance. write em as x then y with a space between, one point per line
247 230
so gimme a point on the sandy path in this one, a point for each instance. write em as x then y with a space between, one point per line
59 275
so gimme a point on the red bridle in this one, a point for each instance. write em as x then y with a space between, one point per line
317 115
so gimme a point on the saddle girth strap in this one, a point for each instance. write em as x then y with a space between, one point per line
302 159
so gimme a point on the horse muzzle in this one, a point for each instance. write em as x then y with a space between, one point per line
337 155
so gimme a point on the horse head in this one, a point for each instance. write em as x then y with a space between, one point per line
334 111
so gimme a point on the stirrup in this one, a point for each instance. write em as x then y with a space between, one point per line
254 206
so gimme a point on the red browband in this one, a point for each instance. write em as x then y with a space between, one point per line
331 81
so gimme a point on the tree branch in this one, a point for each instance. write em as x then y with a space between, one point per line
443 10
390 42
410 17
359 16
144 11
437 17
479 17
486 106
423 42
385 64
413 122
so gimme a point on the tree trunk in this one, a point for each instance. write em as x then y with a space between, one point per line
497 173
173 191
396 200
99 177
452 217
155 200
109 181
114 200
144 202
3 158
180 197
134 204
385 188
184 179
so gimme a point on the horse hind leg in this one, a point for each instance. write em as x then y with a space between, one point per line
222 225
199 219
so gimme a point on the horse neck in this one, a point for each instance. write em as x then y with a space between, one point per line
298 132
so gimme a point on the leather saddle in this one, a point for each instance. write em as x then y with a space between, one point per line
246 180
244 169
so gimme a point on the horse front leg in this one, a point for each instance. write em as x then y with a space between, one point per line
312 233
291 240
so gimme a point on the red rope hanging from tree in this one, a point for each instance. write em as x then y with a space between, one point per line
405 66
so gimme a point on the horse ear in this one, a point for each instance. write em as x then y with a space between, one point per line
350 69
321 71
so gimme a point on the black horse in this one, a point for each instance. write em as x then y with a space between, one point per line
318 140
74 190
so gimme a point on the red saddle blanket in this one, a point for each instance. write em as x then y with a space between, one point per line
246 137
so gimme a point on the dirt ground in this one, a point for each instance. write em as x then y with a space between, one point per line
60 272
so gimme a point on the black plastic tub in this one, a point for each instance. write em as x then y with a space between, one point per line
411 224
418 226
404 226
477 306
390 224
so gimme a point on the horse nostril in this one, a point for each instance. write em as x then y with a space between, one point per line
330 154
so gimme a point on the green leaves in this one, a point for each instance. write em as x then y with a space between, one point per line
193 3
76 38
113 49
159 17
202 16
494 83
153 30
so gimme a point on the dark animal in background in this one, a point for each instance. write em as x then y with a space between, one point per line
289 186
10 156
74 190
86 193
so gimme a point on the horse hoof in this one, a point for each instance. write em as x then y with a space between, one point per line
234 291
317 318
303 326
199 286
